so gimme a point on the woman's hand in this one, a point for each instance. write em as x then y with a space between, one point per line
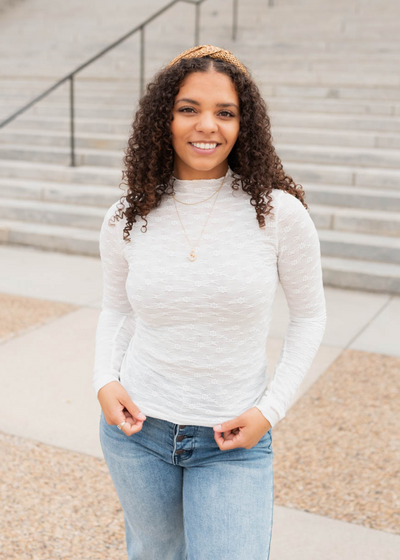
245 430
118 407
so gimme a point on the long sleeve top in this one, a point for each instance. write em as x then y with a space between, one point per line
187 338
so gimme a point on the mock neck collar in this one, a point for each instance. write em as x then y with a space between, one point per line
201 186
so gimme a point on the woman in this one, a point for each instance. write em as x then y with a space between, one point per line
180 365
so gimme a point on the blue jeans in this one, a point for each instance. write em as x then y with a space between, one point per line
185 499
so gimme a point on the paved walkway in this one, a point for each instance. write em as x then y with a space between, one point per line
46 373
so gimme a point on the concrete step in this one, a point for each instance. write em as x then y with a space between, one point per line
279 56
321 137
77 241
361 275
34 85
42 137
330 31
356 220
123 95
374 178
336 122
289 135
335 155
43 108
341 65
86 175
360 246
70 193
115 91
62 156
62 124
323 43
353 197
332 106
327 78
52 213
97 95
329 155
354 123
340 24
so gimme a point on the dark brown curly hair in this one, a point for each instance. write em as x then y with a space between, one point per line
149 155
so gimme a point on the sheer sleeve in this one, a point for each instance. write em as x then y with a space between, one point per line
117 321
300 274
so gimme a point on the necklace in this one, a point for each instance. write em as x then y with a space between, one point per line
190 203
192 255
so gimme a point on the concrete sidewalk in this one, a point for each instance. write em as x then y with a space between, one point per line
47 373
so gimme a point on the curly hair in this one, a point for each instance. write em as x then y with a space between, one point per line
149 155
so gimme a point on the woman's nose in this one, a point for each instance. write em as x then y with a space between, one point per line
206 122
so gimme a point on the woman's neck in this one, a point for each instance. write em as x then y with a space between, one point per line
186 173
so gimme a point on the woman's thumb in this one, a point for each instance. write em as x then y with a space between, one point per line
133 409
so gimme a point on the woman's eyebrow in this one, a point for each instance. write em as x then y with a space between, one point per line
197 103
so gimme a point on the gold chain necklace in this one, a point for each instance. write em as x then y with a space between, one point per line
198 202
192 255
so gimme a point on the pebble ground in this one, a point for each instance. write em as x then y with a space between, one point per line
337 451
57 505
18 314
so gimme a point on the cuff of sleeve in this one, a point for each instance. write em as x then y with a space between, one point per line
103 380
271 413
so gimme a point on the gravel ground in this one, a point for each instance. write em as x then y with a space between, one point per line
56 505
337 451
19 314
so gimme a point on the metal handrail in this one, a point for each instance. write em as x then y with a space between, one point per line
140 28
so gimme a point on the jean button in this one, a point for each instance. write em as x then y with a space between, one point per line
180 451
180 438
181 427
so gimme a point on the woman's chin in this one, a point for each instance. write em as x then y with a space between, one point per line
204 163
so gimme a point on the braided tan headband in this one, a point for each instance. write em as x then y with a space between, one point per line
209 50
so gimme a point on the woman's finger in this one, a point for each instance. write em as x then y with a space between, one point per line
130 428
224 444
229 435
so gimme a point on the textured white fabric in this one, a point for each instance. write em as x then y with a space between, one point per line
188 339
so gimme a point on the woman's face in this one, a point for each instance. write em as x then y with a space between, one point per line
206 111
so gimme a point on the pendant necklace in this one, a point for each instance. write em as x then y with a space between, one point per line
192 255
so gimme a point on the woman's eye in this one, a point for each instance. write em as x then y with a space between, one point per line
184 109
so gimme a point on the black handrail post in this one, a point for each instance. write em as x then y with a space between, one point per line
197 25
71 104
234 23
142 60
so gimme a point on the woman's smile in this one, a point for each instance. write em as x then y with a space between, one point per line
205 148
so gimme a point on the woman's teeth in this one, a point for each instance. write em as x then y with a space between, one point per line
204 146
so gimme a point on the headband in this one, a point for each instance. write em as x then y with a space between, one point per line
209 50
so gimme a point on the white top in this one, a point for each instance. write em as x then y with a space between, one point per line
187 339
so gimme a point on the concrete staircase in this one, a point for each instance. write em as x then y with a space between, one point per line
329 74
